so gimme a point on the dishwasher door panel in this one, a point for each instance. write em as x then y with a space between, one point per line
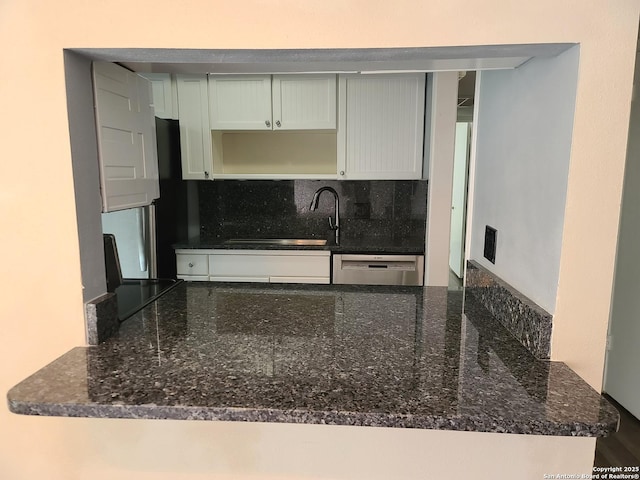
378 269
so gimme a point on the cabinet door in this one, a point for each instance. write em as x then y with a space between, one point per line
195 133
285 266
165 96
126 138
384 126
304 102
240 102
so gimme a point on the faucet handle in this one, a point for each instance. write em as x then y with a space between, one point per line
331 225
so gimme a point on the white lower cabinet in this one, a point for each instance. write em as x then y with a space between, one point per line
192 265
265 266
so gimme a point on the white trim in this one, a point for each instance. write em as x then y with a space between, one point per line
441 155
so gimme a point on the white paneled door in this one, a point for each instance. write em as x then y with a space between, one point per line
383 128
304 102
126 138
240 102
195 133
459 198
622 375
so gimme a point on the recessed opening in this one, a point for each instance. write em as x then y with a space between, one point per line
80 100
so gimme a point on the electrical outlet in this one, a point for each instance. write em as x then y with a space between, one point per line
490 243
362 210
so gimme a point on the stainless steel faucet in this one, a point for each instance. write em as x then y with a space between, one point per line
333 224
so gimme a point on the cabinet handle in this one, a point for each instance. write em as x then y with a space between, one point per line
341 172
190 264
267 123
206 174
278 123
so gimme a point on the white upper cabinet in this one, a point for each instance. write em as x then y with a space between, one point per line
165 94
304 102
195 133
382 126
125 124
281 102
293 126
240 102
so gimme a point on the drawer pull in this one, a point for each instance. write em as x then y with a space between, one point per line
190 264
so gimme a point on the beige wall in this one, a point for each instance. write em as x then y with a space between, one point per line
41 300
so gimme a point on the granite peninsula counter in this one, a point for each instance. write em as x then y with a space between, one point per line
329 354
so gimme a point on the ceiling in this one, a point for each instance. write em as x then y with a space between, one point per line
358 60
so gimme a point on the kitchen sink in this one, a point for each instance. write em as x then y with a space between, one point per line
300 242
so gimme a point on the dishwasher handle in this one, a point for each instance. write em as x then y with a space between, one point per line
406 263
378 258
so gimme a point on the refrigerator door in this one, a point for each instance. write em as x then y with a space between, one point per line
145 235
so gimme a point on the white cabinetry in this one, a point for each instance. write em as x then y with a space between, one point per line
192 265
382 126
165 94
291 126
267 266
126 138
278 102
241 102
304 102
275 266
195 133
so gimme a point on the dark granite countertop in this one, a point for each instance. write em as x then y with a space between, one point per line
343 355
364 244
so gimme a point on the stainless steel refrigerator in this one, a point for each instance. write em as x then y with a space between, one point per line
144 236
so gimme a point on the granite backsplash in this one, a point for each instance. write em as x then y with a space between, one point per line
529 323
280 209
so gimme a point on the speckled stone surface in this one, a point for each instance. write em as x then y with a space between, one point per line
341 355
102 318
526 320
280 209
374 244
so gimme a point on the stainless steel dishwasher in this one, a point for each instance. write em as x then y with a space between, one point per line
378 269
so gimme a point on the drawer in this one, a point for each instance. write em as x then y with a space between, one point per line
192 264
